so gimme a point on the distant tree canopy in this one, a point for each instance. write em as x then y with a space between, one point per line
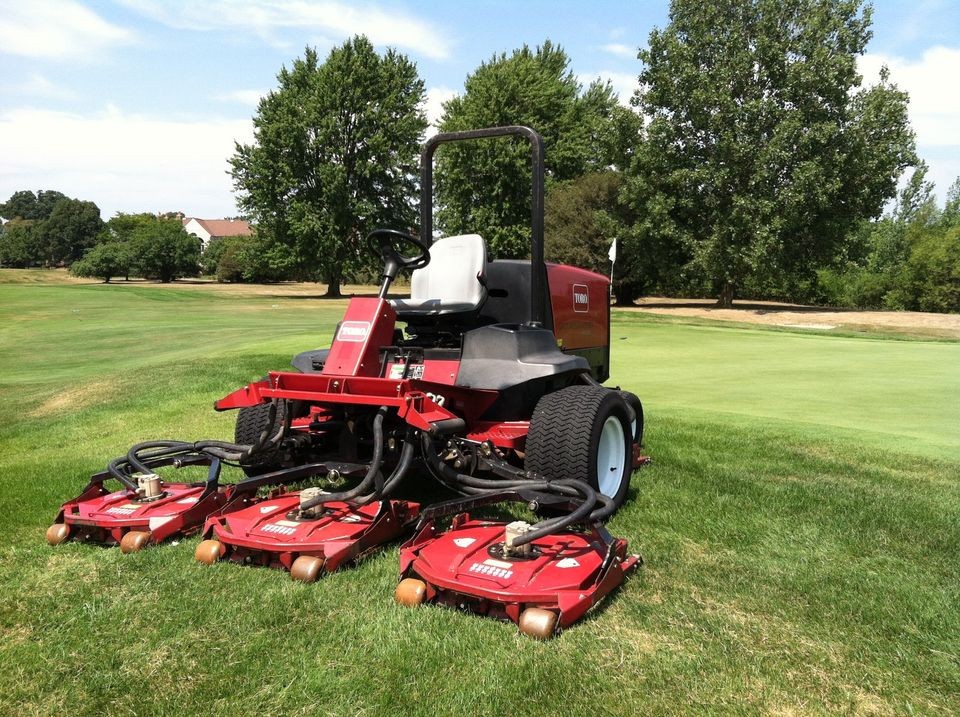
162 249
47 228
908 259
142 245
483 186
334 156
104 261
576 230
70 230
19 246
754 162
28 205
762 154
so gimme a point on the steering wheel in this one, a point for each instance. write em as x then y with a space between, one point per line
390 243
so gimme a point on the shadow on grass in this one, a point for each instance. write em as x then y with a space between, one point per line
743 306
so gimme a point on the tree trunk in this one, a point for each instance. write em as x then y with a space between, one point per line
726 295
333 287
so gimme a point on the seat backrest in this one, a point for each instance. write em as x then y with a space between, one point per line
455 274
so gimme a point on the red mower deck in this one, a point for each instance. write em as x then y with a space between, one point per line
464 567
269 533
124 517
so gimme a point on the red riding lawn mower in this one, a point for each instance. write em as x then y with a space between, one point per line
493 384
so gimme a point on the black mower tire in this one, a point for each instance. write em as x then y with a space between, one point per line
637 407
565 437
251 420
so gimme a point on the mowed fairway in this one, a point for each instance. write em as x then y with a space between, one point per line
800 525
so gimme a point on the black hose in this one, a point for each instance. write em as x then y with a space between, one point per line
569 487
399 471
375 463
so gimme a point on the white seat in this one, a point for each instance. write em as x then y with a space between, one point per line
452 283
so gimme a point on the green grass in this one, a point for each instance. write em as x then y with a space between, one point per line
801 527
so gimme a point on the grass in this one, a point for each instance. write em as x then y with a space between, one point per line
801 527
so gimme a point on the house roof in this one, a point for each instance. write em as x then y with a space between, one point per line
223 227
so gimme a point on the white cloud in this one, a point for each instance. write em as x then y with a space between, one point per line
36 85
122 162
56 30
243 97
620 50
436 96
266 18
934 106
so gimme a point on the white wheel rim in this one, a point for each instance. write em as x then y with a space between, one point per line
610 453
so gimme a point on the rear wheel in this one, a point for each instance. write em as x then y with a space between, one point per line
636 425
583 432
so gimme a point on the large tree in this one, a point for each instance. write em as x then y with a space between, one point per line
104 261
70 230
162 249
334 156
18 244
483 186
763 152
27 205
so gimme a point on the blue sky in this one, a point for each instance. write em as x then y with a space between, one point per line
135 104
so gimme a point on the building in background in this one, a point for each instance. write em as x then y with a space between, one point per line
208 229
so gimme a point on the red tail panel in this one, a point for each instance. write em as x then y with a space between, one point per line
367 325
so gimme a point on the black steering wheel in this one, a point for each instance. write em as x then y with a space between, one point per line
390 243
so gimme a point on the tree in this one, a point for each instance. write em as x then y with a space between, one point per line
334 156
484 186
27 205
582 218
162 249
104 261
71 229
763 153
121 227
908 259
229 268
950 216
222 257
574 222
930 281
263 259
916 201
18 244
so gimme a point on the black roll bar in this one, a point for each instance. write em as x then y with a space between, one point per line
538 273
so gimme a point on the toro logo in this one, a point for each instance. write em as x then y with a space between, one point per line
581 298
353 331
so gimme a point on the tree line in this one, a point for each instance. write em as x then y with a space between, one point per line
49 229
752 162
46 228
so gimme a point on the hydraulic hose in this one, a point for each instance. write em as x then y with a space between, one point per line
399 471
588 509
375 463
125 467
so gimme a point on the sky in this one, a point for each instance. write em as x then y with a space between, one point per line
136 104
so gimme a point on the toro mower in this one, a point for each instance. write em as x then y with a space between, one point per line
489 375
